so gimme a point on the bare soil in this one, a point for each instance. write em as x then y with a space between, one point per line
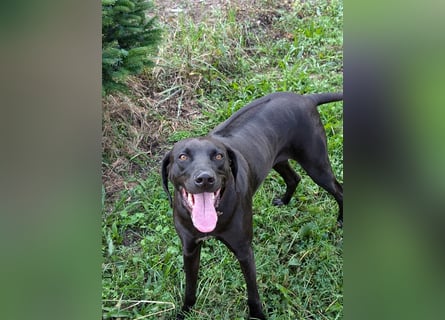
203 9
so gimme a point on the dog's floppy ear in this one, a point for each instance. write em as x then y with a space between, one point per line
233 162
238 166
164 172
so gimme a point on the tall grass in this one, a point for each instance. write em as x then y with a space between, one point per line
207 70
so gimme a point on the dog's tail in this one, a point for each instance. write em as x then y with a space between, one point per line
322 98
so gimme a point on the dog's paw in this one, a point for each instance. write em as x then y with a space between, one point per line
340 224
259 316
278 202
180 316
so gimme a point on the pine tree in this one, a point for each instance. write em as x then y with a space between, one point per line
129 38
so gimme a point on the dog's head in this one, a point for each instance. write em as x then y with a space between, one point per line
199 169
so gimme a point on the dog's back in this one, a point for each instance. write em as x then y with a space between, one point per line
274 128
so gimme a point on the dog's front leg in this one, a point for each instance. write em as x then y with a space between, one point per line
245 256
191 256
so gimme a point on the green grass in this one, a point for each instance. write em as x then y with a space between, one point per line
224 63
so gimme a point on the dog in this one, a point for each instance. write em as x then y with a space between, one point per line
216 176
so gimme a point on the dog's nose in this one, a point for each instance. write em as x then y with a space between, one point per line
204 179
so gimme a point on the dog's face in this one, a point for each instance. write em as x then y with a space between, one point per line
199 170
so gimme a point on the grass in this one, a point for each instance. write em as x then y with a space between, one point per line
207 69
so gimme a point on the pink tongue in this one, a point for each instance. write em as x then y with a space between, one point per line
204 215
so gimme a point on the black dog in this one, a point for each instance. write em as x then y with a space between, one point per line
215 177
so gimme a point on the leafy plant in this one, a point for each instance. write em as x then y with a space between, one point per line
129 39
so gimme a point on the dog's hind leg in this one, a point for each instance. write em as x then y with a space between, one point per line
291 178
316 163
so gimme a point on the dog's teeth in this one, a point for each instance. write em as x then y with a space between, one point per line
190 198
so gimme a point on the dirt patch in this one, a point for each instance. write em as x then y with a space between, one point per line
135 132
200 10
260 12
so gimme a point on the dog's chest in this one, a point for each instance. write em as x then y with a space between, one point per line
198 240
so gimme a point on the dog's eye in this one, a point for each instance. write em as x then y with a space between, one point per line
183 157
219 156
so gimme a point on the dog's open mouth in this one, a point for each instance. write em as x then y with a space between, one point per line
202 207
